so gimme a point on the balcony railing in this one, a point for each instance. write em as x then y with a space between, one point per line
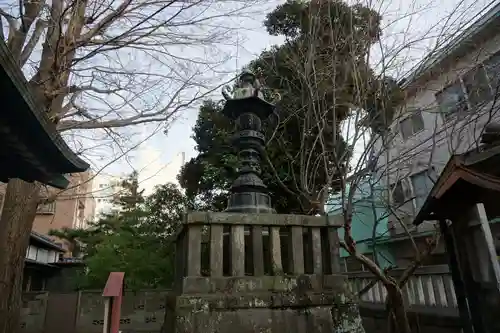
430 286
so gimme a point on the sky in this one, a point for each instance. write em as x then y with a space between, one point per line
412 29
160 158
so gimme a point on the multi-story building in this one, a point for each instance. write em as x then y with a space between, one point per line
105 189
72 208
152 172
450 97
369 221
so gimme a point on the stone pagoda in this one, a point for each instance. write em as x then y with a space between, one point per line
248 269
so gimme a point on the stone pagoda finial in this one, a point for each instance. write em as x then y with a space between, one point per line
246 105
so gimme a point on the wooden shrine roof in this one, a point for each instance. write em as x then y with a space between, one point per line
467 179
30 146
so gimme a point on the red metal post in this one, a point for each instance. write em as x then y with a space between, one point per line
113 291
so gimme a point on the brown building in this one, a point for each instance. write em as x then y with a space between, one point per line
73 208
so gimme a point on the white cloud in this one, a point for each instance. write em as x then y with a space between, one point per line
154 171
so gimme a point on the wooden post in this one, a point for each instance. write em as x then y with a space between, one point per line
274 237
238 250
484 246
482 270
216 249
194 250
257 250
316 251
456 277
297 250
459 231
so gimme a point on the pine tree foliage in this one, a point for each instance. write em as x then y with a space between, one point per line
323 76
135 238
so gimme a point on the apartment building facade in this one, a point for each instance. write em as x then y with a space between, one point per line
369 221
450 98
73 208
106 189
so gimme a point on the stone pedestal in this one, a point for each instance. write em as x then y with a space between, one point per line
301 291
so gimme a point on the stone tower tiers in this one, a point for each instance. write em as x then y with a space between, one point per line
248 109
247 273
248 270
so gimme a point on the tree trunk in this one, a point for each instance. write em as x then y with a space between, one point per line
19 210
397 320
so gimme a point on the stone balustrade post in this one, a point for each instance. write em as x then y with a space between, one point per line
257 250
216 250
267 270
299 233
297 250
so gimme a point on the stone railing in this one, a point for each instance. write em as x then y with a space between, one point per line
430 286
236 245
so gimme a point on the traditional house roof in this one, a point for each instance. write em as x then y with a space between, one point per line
467 179
486 24
31 148
44 242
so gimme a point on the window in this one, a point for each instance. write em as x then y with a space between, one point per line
412 124
477 86
49 208
492 67
42 256
52 257
452 99
32 250
398 194
422 184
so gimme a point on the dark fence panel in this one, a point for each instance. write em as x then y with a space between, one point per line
144 312
61 313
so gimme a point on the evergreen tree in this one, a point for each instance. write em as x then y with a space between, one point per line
135 239
322 75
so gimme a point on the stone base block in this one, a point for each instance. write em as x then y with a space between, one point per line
262 312
300 304
324 319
